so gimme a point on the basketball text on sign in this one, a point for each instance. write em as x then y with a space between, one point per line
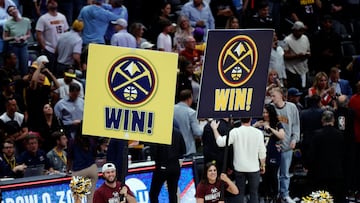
124 89
234 74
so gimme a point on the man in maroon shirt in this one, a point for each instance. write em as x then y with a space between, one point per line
112 190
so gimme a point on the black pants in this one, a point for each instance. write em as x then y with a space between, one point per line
293 80
169 173
269 185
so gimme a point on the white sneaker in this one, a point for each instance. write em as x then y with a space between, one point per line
287 199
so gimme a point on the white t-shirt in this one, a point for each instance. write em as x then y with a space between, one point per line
164 42
51 27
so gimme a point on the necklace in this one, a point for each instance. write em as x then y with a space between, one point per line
60 155
10 161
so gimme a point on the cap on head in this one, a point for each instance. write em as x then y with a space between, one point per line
108 166
146 45
42 59
298 25
294 92
121 21
70 73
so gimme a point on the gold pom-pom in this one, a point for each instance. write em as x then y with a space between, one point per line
80 186
318 197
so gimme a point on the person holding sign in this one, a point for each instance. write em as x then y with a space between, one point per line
249 156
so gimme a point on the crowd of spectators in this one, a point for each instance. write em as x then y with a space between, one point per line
314 64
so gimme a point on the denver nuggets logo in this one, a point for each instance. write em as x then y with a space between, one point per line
132 81
238 60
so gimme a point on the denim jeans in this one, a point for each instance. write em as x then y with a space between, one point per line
286 158
22 55
253 179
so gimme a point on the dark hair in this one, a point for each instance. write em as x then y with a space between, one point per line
313 101
185 94
164 23
183 62
272 115
9 141
204 178
245 120
74 87
57 135
11 6
262 4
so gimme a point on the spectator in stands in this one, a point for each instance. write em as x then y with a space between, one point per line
185 117
9 69
325 46
199 14
33 155
342 86
308 12
122 38
4 4
96 20
58 156
164 14
69 76
272 82
249 156
190 53
326 161
183 30
14 123
288 115
277 60
48 124
116 7
49 27
293 96
70 111
354 105
137 30
7 92
232 23
164 42
42 83
209 188
81 160
221 11
261 19
10 164
16 33
273 133
186 79
321 87
297 52
167 166
241 11
69 49
112 190
200 43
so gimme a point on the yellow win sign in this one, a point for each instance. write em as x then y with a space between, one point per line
130 93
